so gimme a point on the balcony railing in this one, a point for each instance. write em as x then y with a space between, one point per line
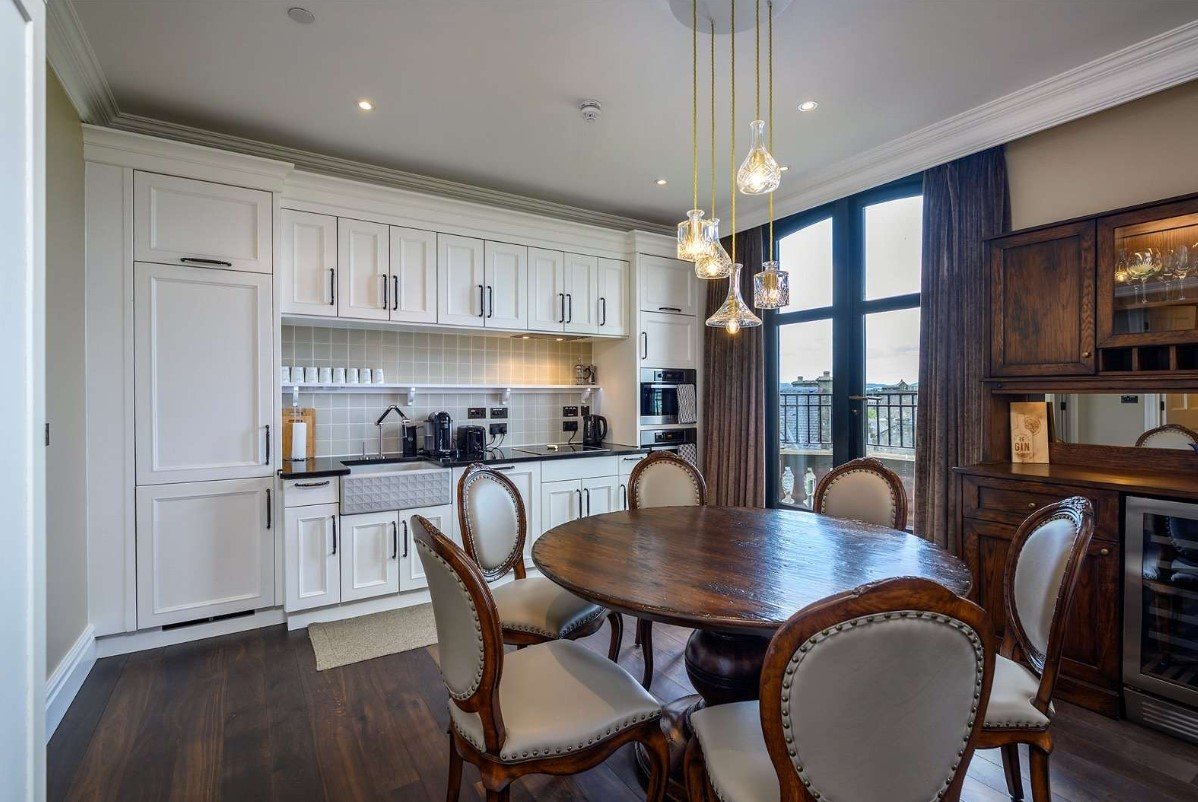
806 421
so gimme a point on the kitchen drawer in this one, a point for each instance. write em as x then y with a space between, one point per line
302 492
628 462
560 469
1010 501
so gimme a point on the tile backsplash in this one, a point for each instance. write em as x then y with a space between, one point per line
344 421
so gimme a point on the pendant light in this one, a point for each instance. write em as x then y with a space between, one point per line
717 263
759 174
771 287
734 314
691 244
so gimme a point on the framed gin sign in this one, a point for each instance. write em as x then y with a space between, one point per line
1029 431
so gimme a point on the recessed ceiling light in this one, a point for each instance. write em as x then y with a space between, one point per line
365 105
301 15
784 167
808 105
661 182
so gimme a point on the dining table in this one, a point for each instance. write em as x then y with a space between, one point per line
734 575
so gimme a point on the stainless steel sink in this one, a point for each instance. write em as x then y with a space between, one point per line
374 486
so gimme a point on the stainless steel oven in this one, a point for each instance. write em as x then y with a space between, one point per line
1160 622
667 396
683 441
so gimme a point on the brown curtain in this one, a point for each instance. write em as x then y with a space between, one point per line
963 202
734 394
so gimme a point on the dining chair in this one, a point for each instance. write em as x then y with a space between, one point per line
662 479
863 489
552 708
1170 435
494 528
877 694
1043 565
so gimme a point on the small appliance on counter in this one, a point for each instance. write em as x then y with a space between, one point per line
438 434
411 437
594 430
472 441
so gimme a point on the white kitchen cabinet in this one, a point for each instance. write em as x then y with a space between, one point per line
413 275
308 264
184 221
668 341
561 502
582 291
311 565
627 463
369 551
460 280
667 285
204 549
411 570
546 290
363 271
611 316
505 276
203 356
600 495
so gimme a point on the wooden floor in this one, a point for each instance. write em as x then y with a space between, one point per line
248 717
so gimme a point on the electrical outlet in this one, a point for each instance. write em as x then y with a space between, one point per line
499 412
569 412
476 413
586 411
569 426
498 428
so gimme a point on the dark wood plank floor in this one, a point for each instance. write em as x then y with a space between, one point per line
248 717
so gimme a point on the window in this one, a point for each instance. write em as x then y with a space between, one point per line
843 359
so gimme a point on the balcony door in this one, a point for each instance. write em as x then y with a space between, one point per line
842 360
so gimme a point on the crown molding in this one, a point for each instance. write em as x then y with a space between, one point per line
1153 65
74 62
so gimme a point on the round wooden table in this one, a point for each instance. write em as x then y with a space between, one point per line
734 575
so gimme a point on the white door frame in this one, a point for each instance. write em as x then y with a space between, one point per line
22 405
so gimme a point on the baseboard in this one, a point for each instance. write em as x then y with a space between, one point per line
126 642
68 678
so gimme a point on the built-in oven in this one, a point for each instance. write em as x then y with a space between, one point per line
683 441
1160 629
667 396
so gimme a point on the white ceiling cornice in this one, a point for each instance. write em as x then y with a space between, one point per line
1142 69
71 57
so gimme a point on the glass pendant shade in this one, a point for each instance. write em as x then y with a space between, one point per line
759 174
691 244
717 264
771 287
734 314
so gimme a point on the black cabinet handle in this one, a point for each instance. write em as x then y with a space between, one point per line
644 345
579 492
668 309
395 294
332 286
268 510
334 551
195 260
561 300
587 490
570 302
482 304
394 540
603 311
405 539
267 444
504 468
325 483
386 294
624 494
490 301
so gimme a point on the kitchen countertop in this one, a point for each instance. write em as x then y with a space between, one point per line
340 466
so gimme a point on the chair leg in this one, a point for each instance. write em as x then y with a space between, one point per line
659 773
455 774
694 771
636 641
1041 791
503 795
644 628
1010 768
617 635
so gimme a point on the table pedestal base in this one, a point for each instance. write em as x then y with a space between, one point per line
723 668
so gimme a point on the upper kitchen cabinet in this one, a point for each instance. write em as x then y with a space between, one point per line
461 284
612 303
546 290
667 285
413 275
1042 302
184 221
505 277
203 375
363 270
308 264
582 292
668 341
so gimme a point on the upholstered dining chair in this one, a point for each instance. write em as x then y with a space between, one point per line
552 708
1043 565
1170 435
662 479
863 490
873 695
494 527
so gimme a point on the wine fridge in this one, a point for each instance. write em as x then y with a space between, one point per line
1160 629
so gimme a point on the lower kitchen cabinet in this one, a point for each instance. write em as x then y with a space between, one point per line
570 499
204 549
600 495
311 570
411 570
370 551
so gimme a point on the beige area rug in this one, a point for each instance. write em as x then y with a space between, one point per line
340 643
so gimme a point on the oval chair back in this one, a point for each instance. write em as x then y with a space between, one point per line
1171 435
663 479
493 520
863 490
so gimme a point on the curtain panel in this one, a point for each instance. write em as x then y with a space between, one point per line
734 393
964 201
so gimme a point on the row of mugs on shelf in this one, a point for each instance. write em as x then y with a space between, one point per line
302 375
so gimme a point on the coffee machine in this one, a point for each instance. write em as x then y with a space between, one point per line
438 434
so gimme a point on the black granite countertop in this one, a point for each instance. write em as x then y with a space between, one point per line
340 466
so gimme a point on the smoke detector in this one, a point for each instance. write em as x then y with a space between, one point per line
590 110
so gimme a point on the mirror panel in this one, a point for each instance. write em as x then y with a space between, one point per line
1127 419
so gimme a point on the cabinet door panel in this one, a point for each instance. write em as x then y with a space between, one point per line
601 495
311 573
363 271
612 303
369 555
203 374
560 502
667 341
308 264
203 549
412 576
460 280
546 290
184 221
582 290
667 285
413 275
506 279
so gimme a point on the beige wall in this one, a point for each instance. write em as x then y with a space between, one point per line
66 519
1135 153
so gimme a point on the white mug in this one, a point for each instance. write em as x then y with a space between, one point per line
326 375
338 375
310 376
297 374
376 376
351 375
286 374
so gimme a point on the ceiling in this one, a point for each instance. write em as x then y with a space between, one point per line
487 92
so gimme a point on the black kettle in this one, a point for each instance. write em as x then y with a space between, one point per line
594 430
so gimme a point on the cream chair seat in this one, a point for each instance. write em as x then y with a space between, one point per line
863 490
738 763
1012 698
538 606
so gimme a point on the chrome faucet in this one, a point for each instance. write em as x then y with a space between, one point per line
379 423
